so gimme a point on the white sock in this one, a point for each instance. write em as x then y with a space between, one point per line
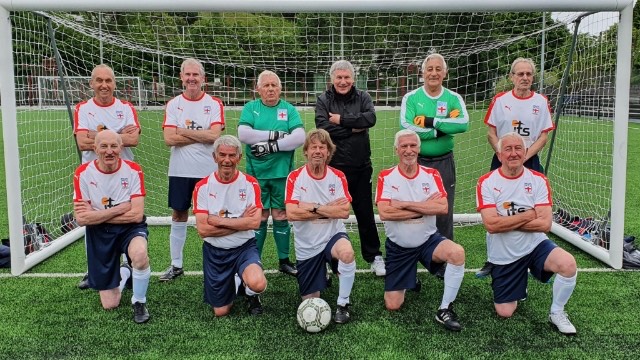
124 276
238 281
562 290
140 285
177 238
452 281
346 278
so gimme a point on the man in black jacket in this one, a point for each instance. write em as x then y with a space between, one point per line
347 114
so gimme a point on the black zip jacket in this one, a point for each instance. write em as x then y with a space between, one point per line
351 137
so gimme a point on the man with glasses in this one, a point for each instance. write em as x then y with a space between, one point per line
523 111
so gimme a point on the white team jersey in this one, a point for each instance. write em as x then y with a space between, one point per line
510 196
91 116
310 237
393 184
212 196
106 190
529 116
194 160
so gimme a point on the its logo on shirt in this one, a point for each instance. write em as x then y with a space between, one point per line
242 194
511 208
119 114
396 188
282 115
224 213
507 107
107 202
101 127
207 110
332 189
124 182
441 108
517 127
190 124
425 188
303 188
213 195
497 190
94 184
535 110
528 188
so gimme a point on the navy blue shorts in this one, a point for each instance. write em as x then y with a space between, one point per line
105 243
181 192
510 281
220 267
312 272
401 263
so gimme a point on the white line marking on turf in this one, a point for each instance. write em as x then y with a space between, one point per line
269 271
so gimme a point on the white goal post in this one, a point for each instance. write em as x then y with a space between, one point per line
39 161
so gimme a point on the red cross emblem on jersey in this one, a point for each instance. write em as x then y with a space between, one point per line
124 182
242 194
425 188
207 110
442 109
120 115
332 189
282 114
528 188
536 109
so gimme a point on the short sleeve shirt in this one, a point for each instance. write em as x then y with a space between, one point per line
106 190
193 160
90 116
213 196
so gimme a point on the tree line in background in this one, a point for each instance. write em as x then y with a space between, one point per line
479 47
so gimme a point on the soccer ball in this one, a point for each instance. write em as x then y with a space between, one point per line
314 315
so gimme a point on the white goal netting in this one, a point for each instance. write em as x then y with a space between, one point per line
146 49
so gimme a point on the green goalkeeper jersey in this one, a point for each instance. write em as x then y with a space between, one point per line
281 117
449 113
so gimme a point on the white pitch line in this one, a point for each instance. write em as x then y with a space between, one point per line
270 271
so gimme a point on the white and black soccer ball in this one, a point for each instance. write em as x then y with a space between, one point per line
314 315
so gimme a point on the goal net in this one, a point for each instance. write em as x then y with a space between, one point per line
146 49
48 92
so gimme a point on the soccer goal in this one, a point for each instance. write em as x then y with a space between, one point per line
49 93
47 53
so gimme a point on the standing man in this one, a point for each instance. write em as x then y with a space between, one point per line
436 113
228 209
409 196
272 130
347 114
515 205
317 201
193 121
523 111
109 200
104 112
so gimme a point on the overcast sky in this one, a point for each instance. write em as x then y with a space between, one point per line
592 24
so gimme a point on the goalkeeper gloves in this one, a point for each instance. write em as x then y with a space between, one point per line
264 148
275 135
423 121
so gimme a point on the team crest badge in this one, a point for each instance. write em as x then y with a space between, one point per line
207 110
242 194
441 108
332 189
119 114
425 188
124 182
528 188
282 115
535 110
